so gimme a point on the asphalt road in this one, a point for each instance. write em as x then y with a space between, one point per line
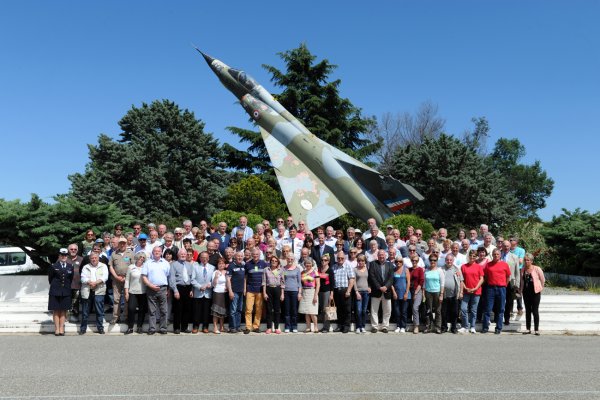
330 366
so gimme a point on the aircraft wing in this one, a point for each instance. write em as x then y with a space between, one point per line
305 194
391 192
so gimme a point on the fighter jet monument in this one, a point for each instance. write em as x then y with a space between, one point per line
319 182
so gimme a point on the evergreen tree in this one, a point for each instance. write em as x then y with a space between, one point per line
48 227
315 102
163 165
459 186
528 183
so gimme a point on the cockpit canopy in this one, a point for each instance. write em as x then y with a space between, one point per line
246 80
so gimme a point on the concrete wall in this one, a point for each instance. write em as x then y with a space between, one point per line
13 287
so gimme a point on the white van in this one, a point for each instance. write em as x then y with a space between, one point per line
14 259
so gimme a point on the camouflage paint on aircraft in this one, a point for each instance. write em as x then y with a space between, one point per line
318 181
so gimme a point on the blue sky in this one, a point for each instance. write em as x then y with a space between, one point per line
70 70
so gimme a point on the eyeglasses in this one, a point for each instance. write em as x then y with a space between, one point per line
433 260
415 261
411 251
279 220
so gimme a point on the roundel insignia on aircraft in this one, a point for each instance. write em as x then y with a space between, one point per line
256 114
306 204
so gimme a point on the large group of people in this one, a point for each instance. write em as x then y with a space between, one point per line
196 276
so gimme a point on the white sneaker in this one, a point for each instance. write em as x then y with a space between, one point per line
397 330
473 330
463 330
295 331
362 330
402 330
357 330
287 331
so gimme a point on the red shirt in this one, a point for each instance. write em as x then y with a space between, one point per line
472 273
497 273
417 278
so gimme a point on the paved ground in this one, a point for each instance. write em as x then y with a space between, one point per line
328 366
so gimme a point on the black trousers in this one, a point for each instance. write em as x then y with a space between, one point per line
532 305
273 306
182 308
510 302
202 312
343 305
137 305
449 312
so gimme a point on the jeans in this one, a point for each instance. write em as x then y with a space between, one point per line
496 295
401 311
235 310
98 302
291 310
468 310
361 309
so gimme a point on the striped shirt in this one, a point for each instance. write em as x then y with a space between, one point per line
273 278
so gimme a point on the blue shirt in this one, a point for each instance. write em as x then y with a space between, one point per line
236 273
254 275
157 271
434 280
519 252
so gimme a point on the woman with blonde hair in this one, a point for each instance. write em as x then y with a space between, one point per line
135 293
532 284
309 304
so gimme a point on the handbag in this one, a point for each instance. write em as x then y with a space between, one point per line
331 311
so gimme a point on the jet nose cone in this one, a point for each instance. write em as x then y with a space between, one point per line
208 58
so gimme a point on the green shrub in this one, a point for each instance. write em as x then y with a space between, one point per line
403 221
252 195
232 218
531 239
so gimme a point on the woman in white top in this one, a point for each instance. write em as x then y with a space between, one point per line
218 310
135 293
